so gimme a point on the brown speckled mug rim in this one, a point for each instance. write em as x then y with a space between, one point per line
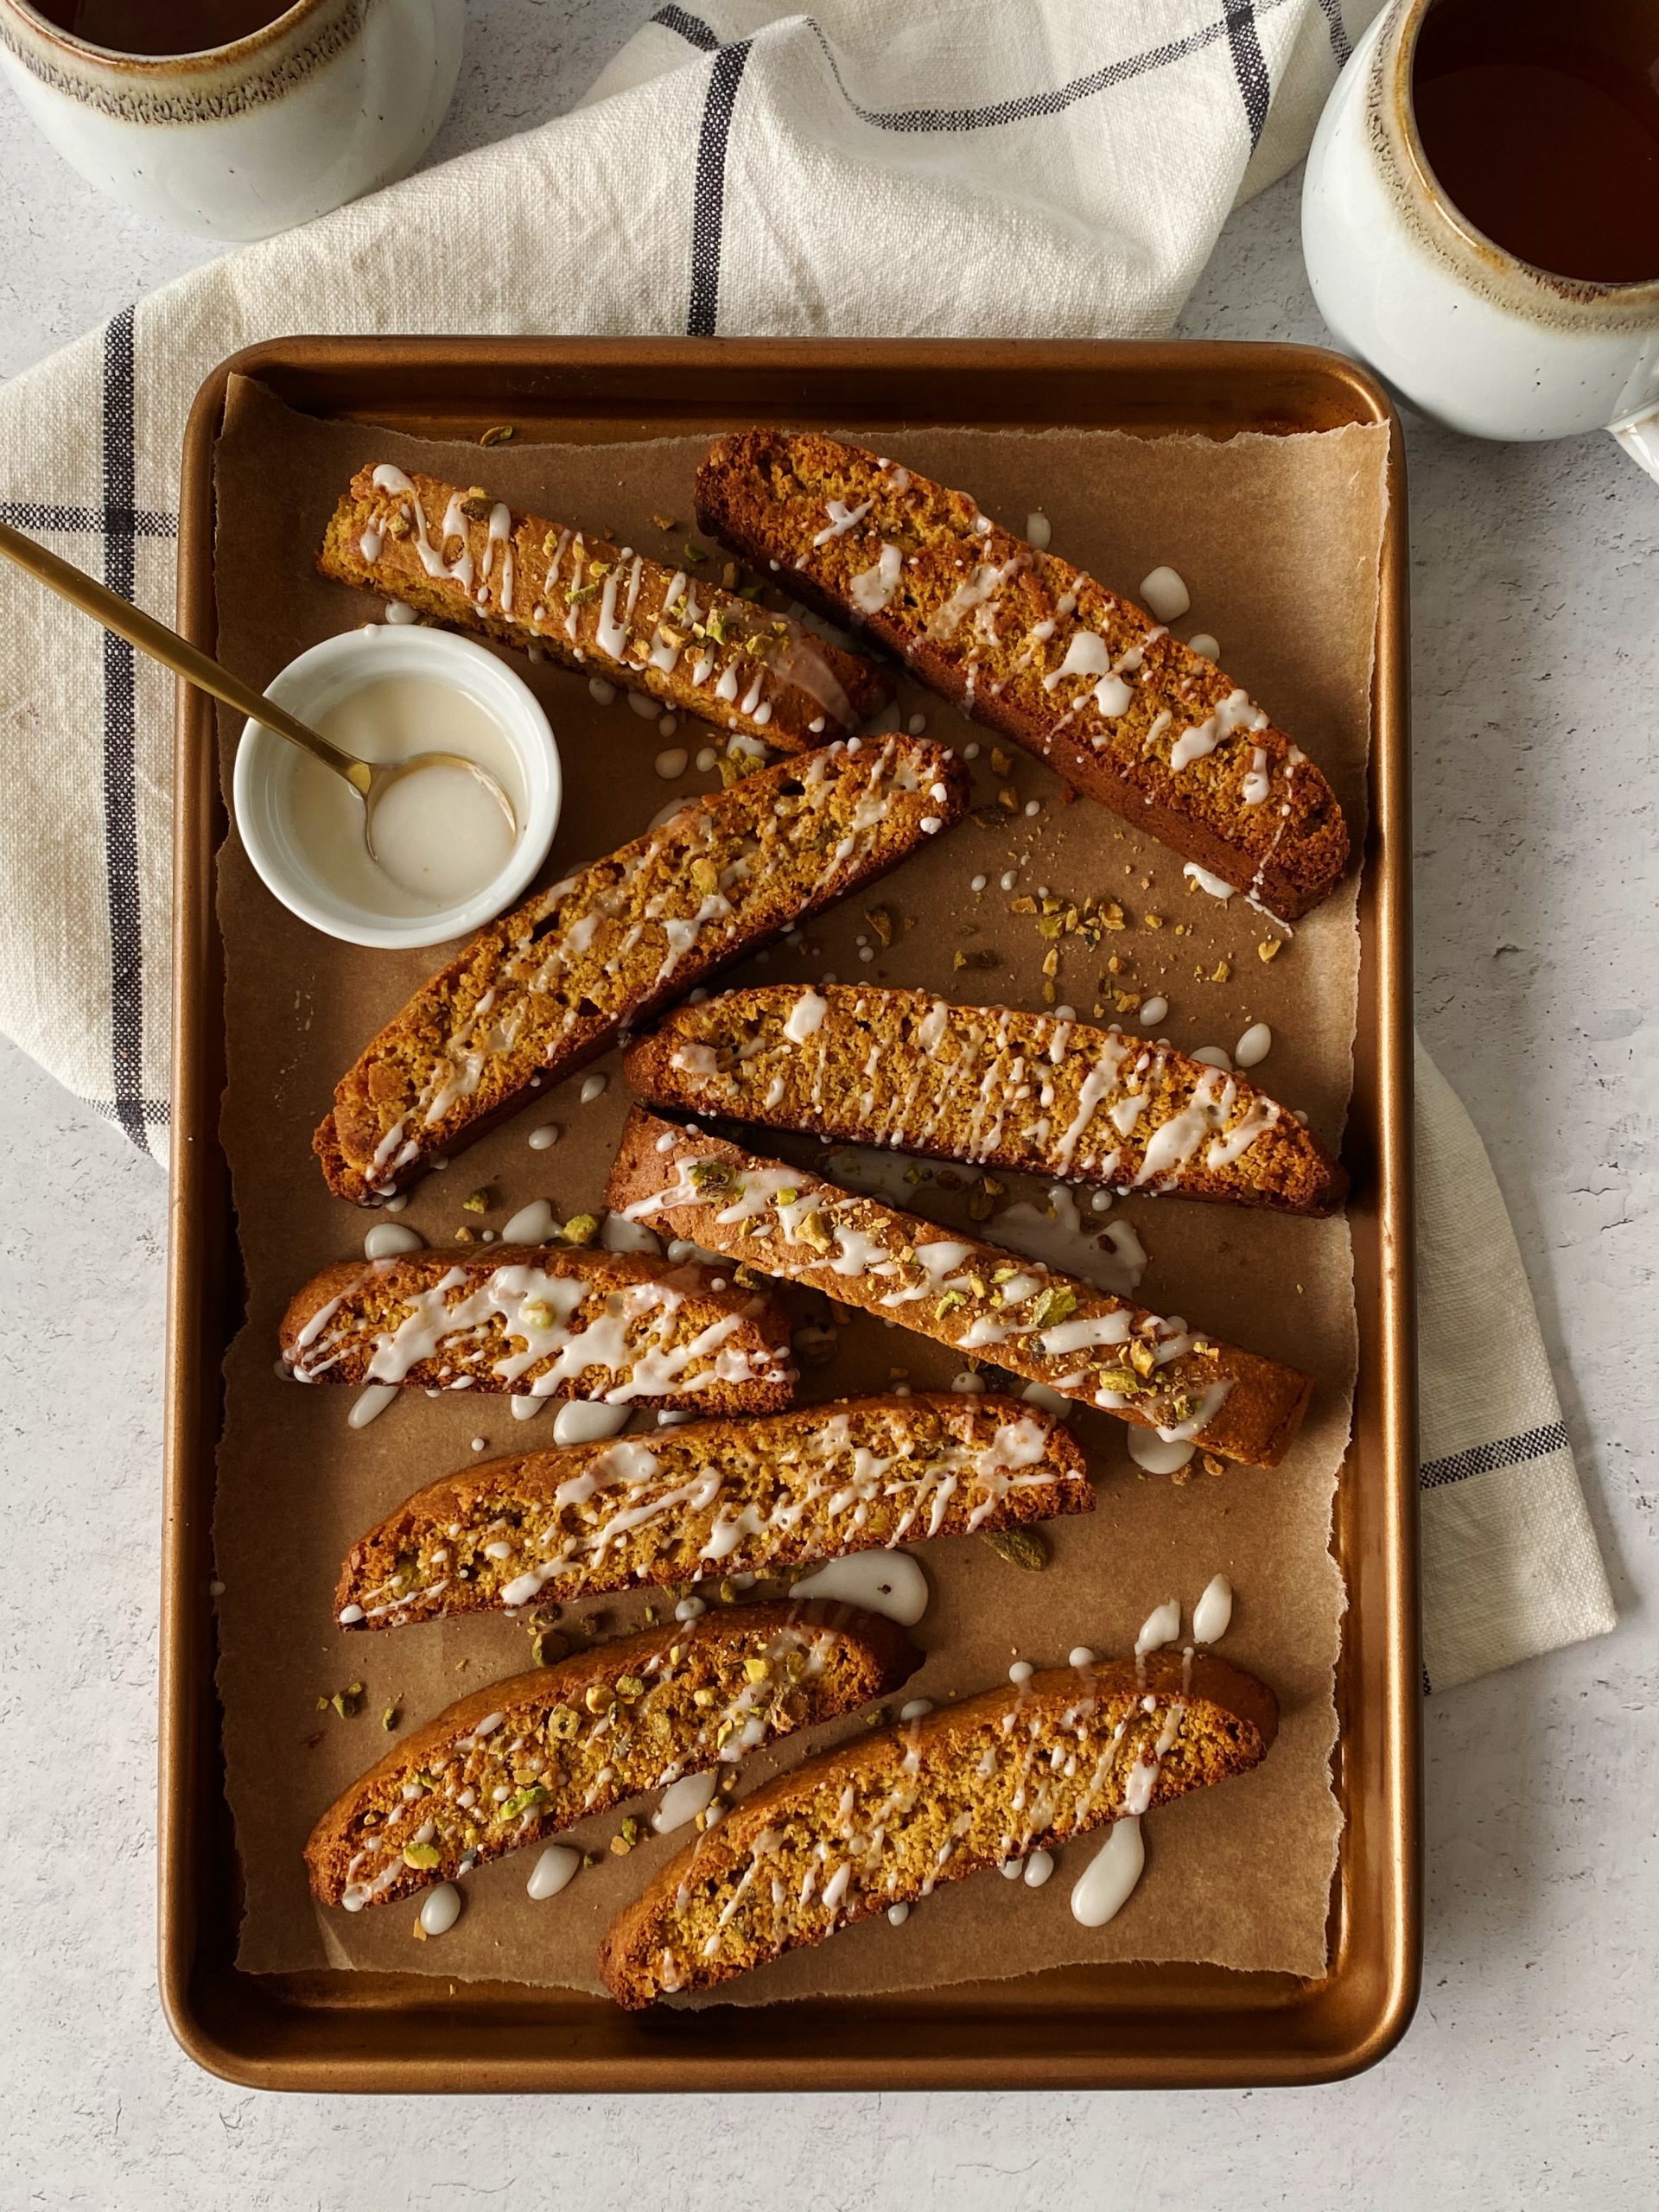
206 86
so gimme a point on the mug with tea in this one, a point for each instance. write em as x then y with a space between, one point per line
235 118
1480 215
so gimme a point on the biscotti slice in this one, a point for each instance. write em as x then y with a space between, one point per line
714 1498
978 1298
523 1759
471 562
1034 648
882 1821
545 989
987 1085
543 1322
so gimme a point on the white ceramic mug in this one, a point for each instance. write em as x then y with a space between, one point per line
330 100
1465 331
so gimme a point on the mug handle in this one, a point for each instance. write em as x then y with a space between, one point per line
1639 436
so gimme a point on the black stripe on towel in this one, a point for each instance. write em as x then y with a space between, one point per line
1249 66
1341 45
690 28
1486 1459
120 737
41 514
708 207
1027 106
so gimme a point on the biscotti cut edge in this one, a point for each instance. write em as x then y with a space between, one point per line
858 1064
978 1298
598 607
933 1800
1039 651
507 1533
575 963
781 1668
392 1321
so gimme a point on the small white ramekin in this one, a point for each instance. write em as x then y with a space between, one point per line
310 687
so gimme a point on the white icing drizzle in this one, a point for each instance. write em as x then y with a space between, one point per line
441 1909
842 519
1157 1455
1213 1614
531 1224
387 1238
872 588
880 1582
1161 1626
577 1421
1237 711
1106 1884
981 589
370 1403
1254 1045
806 1016
684 1800
1164 592
556 1869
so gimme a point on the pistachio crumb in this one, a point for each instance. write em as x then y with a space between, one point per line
1019 1547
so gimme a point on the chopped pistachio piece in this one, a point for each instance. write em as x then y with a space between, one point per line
1019 1547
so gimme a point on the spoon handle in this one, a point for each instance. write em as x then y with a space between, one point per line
176 652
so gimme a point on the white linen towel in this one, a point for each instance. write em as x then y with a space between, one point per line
738 168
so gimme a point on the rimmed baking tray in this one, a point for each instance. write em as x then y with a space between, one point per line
1109 2026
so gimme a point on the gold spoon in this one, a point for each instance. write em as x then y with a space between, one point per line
370 779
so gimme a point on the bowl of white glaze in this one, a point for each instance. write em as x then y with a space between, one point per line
448 862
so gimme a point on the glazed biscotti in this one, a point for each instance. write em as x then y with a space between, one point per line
523 1759
545 989
1039 651
979 1297
714 1497
882 1821
543 1322
469 561
986 1085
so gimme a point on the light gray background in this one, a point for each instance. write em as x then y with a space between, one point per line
1528 2079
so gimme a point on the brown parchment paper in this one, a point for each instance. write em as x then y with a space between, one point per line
1277 539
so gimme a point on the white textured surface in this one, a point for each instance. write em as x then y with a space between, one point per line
1528 2079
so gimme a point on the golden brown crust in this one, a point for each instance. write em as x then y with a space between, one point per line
543 1321
547 988
990 623
910 1070
558 1749
979 1297
788 689
881 1820
744 1496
